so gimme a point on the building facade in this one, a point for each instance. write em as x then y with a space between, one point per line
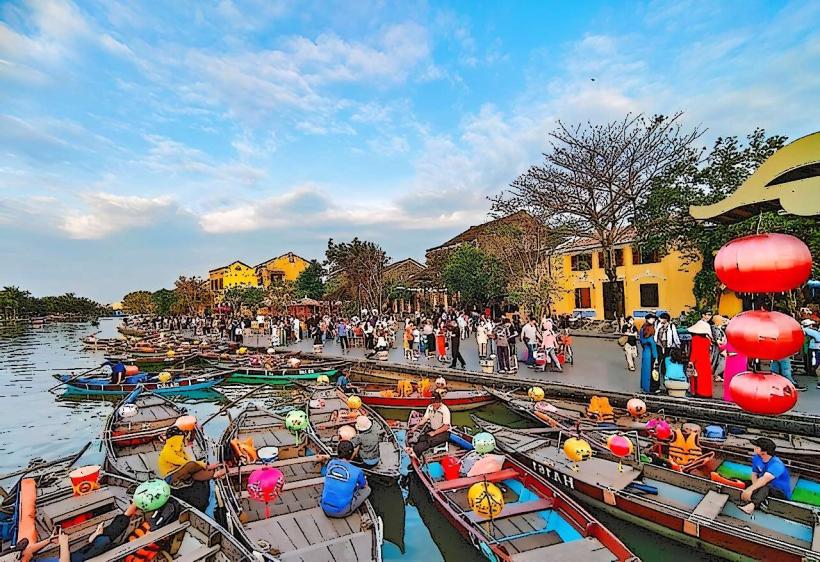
286 267
235 274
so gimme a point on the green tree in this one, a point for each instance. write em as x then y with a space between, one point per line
664 222
138 302
279 294
164 301
192 295
477 276
310 283
251 298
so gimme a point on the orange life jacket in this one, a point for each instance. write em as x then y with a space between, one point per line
146 553
244 450
600 409
685 449
404 388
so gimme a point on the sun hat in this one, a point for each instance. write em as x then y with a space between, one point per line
363 423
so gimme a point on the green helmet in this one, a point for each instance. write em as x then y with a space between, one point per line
152 495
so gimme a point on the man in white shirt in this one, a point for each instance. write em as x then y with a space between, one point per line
435 426
529 335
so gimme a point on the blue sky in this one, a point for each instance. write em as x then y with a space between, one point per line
144 140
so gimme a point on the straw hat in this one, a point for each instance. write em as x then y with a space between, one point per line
363 423
701 328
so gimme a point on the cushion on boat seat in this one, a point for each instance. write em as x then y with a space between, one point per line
515 508
469 481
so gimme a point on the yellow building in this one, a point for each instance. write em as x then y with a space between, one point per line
286 267
235 274
649 281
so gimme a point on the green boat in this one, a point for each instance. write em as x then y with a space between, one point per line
283 376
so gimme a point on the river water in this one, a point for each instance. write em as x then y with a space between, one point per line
39 423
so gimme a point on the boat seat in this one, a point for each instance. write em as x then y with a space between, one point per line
711 505
324 550
588 549
294 485
470 480
131 547
201 553
513 509
815 541
67 508
278 464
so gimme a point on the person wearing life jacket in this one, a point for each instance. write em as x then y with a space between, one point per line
176 467
770 477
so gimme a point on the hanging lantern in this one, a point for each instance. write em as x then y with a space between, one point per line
764 263
763 393
636 407
619 445
354 402
765 335
296 420
484 443
663 430
536 393
577 450
485 499
264 485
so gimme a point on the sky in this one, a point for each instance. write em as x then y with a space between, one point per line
144 140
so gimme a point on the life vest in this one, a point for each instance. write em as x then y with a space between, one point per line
404 388
244 450
684 450
387 393
425 387
146 553
600 409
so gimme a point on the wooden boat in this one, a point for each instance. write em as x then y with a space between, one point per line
387 396
801 454
103 386
284 375
328 411
297 529
44 499
695 409
684 507
131 332
537 521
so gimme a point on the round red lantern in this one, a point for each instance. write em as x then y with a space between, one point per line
764 263
636 407
763 393
619 445
765 335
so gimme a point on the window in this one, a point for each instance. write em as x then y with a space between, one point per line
649 295
583 298
619 258
640 256
581 262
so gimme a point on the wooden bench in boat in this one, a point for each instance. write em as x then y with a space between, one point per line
513 509
313 552
588 549
815 541
131 547
76 505
707 509
294 485
279 464
201 553
457 483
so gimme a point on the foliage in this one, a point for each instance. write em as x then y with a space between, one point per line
13 301
279 294
594 175
477 276
356 270
164 301
16 302
309 283
664 220
396 290
193 296
138 302
251 298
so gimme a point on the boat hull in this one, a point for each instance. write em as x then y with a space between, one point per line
280 377
175 387
412 403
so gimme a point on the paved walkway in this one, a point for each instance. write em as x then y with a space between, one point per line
599 363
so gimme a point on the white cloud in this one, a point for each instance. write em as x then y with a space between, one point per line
106 214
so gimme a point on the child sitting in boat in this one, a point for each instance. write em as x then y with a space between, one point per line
345 488
770 477
177 467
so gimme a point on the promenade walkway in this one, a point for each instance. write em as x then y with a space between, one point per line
599 363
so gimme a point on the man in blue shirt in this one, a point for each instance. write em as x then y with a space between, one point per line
770 477
345 486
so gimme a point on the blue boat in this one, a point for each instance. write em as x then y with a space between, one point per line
148 381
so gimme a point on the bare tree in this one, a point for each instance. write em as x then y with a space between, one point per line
356 272
595 175
192 295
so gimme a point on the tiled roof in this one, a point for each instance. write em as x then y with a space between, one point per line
229 265
626 237
472 233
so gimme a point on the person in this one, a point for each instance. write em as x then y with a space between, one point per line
176 467
666 339
550 342
381 345
367 442
101 540
649 354
117 372
770 477
369 329
437 416
631 345
441 343
408 342
701 358
341 333
812 347
736 363
502 344
783 367
455 343
345 488
297 332
674 368
481 338
430 337
718 339
529 335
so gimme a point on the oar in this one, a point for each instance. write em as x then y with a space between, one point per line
230 404
78 456
61 460
74 378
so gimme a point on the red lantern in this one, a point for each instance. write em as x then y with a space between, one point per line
763 393
763 263
619 445
636 407
765 335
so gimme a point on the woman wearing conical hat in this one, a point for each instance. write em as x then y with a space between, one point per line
701 358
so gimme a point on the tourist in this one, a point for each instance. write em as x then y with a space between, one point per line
441 343
701 358
408 341
118 370
783 367
631 345
549 342
297 334
437 418
462 325
649 355
455 343
529 335
430 338
481 338
666 339
674 370
417 345
104 538
381 346
770 477
736 363
812 347
341 333
345 488
502 343
176 467
367 442
369 329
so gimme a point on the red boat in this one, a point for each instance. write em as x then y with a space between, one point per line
390 396
536 522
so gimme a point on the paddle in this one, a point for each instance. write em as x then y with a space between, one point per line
230 404
74 378
72 458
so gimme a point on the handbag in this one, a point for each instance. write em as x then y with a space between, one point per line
655 375
622 340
